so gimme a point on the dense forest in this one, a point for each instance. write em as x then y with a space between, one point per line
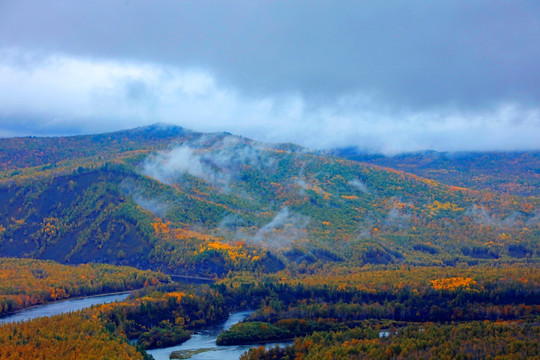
27 282
383 258
209 204
506 172
472 340
391 313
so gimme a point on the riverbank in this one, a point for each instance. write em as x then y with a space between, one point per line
65 299
64 306
203 346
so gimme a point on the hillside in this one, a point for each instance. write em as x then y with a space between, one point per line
516 173
166 198
27 282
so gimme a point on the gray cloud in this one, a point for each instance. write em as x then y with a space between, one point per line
417 52
386 77
357 183
283 231
158 207
481 216
285 228
218 160
396 218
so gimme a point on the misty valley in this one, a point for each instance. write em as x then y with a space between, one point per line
255 250
269 180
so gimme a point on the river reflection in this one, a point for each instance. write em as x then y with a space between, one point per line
202 346
61 307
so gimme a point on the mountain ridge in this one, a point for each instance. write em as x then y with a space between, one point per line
512 172
204 204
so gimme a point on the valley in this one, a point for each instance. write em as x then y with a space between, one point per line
327 248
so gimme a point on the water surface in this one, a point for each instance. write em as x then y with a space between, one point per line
202 346
61 307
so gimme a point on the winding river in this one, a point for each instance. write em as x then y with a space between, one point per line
202 346
64 306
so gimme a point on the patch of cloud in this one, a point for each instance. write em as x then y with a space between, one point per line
358 184
397 218
158 207
301 183
169 166
365 229
482 217
218 160
282 231
57 93
300 180
230 223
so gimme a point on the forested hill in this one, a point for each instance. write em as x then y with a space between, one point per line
166 198
42 153
515 173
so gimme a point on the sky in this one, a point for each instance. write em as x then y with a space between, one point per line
383 76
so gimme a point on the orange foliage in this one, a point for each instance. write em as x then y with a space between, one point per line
27 282
234 252
68 337
452 283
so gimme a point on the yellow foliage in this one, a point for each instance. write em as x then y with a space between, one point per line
452 283
27 282
437 205
177 295
430 182
234 252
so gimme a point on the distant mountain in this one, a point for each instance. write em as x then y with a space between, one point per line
515 173
167 198
55 152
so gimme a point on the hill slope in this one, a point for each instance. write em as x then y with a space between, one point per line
515 173
171 199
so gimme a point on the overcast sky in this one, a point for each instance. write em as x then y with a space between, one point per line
384 76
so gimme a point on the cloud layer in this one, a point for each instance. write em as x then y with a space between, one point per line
220 162
82 95
417 53
385 77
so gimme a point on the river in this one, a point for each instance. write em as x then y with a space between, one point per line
202 346
60 307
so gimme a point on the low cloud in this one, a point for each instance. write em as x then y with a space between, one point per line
169 166
158 207
359 185
367 224
52 94
397 218
285 228
482 217
218 160
535 219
